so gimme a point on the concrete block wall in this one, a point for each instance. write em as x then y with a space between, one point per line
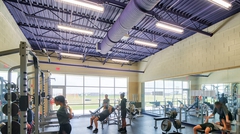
197 54
10 36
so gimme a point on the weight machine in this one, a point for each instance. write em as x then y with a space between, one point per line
12 126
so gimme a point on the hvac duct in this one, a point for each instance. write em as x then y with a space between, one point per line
131 16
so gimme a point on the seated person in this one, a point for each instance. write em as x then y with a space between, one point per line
108 109
208 127
224 114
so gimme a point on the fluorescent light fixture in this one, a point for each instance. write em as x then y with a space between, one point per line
82 31
146 43
122 61
125 37
86 4
169 27
222 3
72 55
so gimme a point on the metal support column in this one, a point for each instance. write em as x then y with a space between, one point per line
202 113
43 91
23 102
36 96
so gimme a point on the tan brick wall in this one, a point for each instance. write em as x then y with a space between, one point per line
197 54
10 36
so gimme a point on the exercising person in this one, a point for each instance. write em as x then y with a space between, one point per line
208 127
63 115
108 109
123 113
223 99
223 112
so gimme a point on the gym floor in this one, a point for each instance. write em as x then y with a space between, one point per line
140 125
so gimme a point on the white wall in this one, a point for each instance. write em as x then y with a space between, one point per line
10 36
197 54
223 76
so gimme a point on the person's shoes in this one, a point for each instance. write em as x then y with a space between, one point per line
95 130
90 127
124 130
120 129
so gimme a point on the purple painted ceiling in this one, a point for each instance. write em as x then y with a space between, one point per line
38 20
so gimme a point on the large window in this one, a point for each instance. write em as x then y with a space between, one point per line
14 75
86 93
158 92
59 79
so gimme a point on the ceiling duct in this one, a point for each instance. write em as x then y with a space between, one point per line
134 12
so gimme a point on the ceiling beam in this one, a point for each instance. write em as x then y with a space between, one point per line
102 30
82 15
161 7
57 30
154 14
90 46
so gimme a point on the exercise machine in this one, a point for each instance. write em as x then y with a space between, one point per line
24 52
167 124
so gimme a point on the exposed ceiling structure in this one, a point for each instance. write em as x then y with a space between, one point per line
39 20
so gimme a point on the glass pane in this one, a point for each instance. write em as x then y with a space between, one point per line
159 95
168 94
118 91
185 85
14 75
110 93
74 95
149 95
185 97
59 79
107 81
90 107
91 95
149 99
177 96
168 84
177 84
121 82
149 84
159 84
77 109
91 81
56 92
74 80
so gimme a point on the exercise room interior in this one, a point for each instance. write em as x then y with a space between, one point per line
119 66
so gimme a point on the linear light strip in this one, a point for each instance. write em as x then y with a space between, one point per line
222 3
86 4
73 55
122 61
88 32
169 27
145 43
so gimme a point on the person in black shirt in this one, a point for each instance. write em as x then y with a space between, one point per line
224 114
223 99
123 113
108 109
63 115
